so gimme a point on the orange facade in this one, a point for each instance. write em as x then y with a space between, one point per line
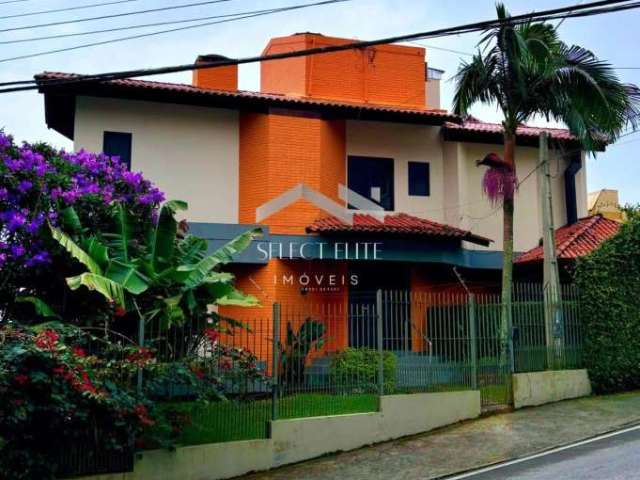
278 152
384 74
218 78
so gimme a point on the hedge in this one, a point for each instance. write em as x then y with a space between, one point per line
609 285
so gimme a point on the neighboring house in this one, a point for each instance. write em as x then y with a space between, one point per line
606 203
572 241
368 119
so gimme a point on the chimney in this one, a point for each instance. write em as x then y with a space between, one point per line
432 86
215 78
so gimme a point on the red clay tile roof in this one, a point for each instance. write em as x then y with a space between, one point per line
473 125
239 96
400 223
577 240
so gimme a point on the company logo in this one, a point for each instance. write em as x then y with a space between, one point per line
304 192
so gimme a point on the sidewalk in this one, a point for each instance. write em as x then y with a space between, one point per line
472 444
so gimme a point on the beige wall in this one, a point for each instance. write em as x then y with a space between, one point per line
403 143
301 439
191 153
538 388
474 211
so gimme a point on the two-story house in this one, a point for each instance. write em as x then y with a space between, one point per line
325 132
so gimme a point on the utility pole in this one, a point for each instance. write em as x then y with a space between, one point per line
551 276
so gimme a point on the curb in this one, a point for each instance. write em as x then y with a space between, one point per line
623 426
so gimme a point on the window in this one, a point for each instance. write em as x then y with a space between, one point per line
372 178
117 144
419 179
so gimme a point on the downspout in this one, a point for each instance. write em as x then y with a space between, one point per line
570 194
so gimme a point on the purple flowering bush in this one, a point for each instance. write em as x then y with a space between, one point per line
38 184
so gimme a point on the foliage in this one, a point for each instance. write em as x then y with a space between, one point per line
527 71
297 346
53 387
609 281
356 370
38 185
167 277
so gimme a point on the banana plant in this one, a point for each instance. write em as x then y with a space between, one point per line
167 276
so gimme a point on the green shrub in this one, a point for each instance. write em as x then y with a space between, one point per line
609 282
356 370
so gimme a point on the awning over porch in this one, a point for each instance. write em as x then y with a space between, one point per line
396 224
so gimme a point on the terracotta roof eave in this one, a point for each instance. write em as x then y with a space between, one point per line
188 94
576 240
395 225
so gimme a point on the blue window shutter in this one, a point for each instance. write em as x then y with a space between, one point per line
419 181
118 144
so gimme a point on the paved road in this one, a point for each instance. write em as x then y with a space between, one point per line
610 458
488 440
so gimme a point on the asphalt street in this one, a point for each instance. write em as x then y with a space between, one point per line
610 457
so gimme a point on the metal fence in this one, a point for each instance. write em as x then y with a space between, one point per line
338 357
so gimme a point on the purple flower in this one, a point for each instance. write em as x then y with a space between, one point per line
4 194
70 196
34 225
14 220
39 258
5 141
18 251
132 178
3 258
13 164
56 193
24 186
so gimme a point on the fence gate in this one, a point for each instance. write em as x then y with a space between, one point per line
456 343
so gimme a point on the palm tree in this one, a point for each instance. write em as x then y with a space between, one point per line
528 71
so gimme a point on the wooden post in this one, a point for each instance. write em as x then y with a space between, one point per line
551 276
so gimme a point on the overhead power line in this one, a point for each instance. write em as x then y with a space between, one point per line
178 29
142 25
573 11
12 1
66 9
113 15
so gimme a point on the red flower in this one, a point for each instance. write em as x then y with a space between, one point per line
143 415
58 371
79 352
46 340
212 334
141 357
21 379
119 311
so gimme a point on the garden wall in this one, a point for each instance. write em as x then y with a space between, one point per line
538 388
304 438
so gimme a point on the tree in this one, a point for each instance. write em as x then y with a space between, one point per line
168 277
528 71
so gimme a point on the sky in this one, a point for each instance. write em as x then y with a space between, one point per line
611 37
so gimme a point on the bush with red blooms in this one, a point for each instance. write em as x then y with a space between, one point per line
59 385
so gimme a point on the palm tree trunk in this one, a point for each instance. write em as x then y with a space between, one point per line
507 259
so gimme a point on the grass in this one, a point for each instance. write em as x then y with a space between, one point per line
234 420
245 420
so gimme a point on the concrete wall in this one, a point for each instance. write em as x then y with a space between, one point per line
404 143
538 388
191 153
305 438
